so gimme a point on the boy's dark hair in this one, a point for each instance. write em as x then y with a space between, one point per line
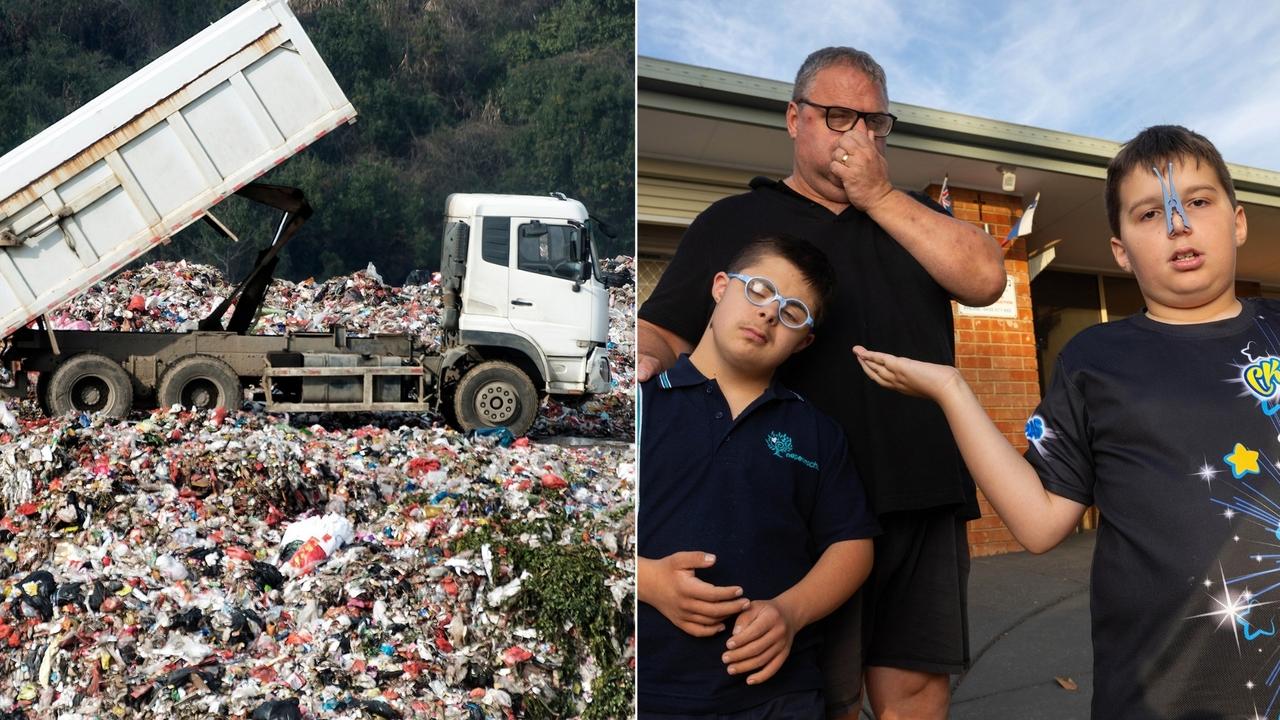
812 263
1160 145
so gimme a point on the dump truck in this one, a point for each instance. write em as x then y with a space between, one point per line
525 295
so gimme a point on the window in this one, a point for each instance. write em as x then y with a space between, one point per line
495 240
549 250
649 269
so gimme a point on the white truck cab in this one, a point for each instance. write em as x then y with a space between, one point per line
523 286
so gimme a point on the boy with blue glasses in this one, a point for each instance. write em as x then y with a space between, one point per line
752 521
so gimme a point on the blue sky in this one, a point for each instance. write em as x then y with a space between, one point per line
1102 69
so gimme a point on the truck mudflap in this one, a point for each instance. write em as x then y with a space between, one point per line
598 379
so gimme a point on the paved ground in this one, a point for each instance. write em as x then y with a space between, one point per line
1028 624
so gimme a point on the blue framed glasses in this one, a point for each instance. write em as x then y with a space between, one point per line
760 291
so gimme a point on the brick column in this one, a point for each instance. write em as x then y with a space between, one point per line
997 356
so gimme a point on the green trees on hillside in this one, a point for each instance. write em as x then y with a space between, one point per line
520 96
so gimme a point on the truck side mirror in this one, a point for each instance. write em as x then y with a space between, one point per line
578 272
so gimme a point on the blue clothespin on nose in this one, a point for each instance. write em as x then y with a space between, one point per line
1172 203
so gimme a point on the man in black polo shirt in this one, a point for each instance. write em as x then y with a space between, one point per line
900 260
749 485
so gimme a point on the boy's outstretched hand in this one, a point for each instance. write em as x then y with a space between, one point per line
761 640
907 376
696 607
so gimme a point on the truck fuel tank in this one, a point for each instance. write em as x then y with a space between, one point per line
349 389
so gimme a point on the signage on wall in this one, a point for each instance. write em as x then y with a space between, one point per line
1005 307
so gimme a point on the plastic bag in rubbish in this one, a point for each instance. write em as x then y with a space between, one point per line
278 710
320 538
502 433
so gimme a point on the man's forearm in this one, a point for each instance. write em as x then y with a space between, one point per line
964 260
659 343
832 580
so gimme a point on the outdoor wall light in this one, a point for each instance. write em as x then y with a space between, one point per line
1008 179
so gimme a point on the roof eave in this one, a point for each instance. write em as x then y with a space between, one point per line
689 89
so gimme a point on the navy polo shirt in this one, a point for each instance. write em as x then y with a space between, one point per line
766 493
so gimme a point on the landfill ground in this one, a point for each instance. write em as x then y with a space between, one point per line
180 564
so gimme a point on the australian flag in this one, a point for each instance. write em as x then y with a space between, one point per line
1023 225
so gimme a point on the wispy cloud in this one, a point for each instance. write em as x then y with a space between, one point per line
1104 69
757 38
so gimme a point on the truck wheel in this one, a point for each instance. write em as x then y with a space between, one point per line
90 383
496 394
200 382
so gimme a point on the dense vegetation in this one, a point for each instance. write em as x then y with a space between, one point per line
519 96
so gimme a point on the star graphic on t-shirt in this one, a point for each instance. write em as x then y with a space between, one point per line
1242 460
1207 472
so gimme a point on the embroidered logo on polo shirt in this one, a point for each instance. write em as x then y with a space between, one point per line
779 444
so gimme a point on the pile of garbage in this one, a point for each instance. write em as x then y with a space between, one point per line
190 565
244 565
172 296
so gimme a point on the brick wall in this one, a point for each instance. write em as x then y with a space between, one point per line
997 356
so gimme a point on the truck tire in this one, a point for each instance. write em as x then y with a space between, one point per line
200 382
496 394
90 383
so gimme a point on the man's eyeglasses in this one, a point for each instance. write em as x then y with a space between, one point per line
792 312
842 119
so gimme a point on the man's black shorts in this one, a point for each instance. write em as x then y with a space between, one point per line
915 615
911 613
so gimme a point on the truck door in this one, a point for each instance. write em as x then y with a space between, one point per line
485 304
544 302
